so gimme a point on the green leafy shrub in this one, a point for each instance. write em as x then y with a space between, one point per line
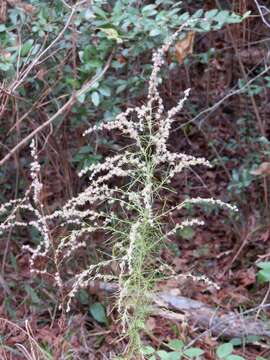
129 30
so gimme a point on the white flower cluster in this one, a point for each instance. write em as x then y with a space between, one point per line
83 278
122 123
153 93
185 223
40 222
208 201
133 236
177 162
35 173
12 203
147 196
199 278
23 204
164 126
12 207
94 169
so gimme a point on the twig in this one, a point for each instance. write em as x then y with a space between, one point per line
17 83
250 230
218 103
264 301
260 7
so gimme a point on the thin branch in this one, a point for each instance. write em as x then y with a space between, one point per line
260 9
17 83
231 93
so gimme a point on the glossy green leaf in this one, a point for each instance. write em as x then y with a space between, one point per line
193 352
88 14
175 355
211 13
98 11
121 88
149 10
205 25
222 16
5 66
95 98
98 312
265 265
235 357
197 14
148 350
105 91
155 32
264 276
176 344
81 98
164 355
26 47
224 350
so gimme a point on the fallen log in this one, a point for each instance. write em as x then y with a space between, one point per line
228 325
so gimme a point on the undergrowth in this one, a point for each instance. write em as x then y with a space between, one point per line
135 216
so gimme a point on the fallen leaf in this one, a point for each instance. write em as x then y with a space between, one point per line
263 169
41 73
20 338
3 12
265 236
121 59
151 324
217 64
245 277
28 8
184 47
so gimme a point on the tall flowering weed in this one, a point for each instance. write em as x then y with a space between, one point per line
134 216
